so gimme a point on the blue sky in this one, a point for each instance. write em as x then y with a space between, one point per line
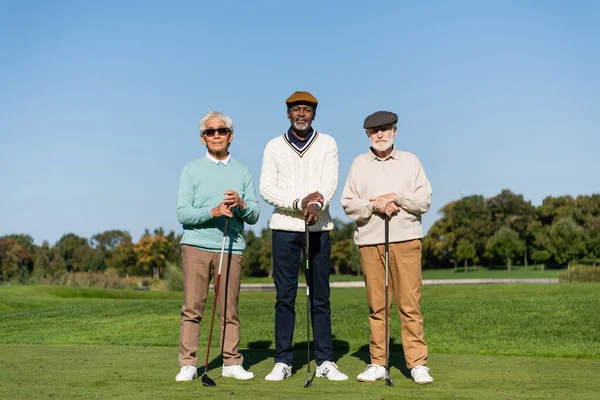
100 101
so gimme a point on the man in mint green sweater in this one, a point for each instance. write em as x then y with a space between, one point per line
212 189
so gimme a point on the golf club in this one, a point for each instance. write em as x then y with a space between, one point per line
206 381
307 269
388 381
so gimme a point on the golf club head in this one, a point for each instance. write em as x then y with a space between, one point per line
388 381
206 381
308 383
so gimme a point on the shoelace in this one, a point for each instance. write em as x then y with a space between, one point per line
286 370
369 367
421 369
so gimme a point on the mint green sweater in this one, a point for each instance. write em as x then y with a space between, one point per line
201 188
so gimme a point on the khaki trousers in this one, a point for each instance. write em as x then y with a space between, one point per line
199 267
405 283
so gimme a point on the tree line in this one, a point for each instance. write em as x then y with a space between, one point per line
499 231
506 229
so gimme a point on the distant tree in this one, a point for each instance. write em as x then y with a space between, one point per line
468 219
266 252
439 246
251 265
554 208
48 263
105 244
593 242
541 257
76 253
567 240
510 209
174 239
506 245
465 251
16 259
151 253
345 258
123 257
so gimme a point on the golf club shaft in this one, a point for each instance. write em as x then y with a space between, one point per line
307 261
217 282
387 268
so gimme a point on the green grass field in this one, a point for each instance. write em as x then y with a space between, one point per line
486 341
517 272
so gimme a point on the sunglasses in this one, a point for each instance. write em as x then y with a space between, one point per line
210 132
376 129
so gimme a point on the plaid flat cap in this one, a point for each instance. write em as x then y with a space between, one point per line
380 118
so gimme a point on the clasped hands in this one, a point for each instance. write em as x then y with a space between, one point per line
385 204
309 207
230 201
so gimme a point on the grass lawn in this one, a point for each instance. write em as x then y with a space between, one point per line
485 341
517 272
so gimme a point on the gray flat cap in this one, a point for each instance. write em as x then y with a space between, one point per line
380 118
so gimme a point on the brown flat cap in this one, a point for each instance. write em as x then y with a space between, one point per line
301 97
380 118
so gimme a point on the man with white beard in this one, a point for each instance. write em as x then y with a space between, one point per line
388 182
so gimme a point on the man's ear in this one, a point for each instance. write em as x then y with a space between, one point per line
203 140
231 138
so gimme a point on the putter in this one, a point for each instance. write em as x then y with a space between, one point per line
388 381
307 269
206 381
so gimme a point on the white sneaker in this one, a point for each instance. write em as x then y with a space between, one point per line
187 373
237 372
420 374
372 373
330 371
280 372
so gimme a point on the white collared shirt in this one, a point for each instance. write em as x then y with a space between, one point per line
225 161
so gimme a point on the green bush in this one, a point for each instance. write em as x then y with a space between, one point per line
580 273
174 277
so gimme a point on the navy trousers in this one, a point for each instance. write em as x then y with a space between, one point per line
287 252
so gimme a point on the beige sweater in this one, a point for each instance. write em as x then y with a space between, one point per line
371 176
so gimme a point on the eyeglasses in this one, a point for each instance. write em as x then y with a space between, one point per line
210 132
383 128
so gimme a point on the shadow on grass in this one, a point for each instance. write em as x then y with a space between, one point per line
396 356
260 351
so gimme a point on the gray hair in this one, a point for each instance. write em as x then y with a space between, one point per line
225 118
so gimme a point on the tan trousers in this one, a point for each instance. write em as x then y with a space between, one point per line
199 267
405 283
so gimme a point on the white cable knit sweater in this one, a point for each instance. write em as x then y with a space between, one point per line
287 176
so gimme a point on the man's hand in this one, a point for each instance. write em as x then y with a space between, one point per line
316 196
221 210
391 209
233 200
381 202
311 214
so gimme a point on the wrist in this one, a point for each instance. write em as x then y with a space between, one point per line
318 205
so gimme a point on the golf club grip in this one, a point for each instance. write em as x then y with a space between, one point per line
387 231
226 226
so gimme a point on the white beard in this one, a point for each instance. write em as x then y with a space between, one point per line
301 127
382 146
